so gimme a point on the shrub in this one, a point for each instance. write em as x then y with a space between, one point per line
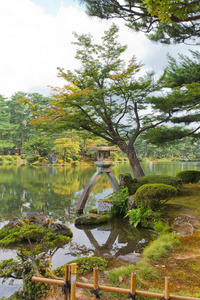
126 180
119 201
153 195
143 216
32 158
84 265
189 176
169 180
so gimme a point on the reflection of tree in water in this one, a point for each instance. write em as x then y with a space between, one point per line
122 239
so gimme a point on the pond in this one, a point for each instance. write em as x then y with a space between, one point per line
55 191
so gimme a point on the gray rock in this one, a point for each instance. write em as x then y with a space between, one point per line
84 279
129 258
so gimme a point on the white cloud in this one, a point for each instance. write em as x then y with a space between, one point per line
34 44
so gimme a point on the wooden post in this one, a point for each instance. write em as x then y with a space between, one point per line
96 280
133 283
65 290
73 281
167 278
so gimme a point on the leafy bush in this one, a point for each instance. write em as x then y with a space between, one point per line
189 176
32 158
84 265
169 180
2 158
119 201
143 216
153 195
126 180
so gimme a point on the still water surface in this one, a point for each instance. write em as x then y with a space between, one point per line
56 190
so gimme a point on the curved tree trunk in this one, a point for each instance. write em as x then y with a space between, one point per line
135 165
133 160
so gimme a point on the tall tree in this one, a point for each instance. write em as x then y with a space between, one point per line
6 128
165 21
107 97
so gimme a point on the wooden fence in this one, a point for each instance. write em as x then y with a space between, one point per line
69 285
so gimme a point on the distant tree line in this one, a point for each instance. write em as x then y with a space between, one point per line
19 137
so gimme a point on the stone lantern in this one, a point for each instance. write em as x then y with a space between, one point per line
103 165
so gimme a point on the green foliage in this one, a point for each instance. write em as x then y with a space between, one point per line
127 181
119 201
169 180
189 176
37 245
154 195
144 217
31 158
41 145
160 247
84 265
163 21
161 226
186 71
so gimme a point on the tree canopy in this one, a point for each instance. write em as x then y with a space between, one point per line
165 21
109 99
184 80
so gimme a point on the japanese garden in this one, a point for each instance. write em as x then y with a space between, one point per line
105 171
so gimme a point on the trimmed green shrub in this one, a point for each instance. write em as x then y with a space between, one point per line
153 195
189 176
169 180
126 180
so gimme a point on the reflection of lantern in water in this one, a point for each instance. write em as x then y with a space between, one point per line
103 164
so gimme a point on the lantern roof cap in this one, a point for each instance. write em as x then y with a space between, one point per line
103 147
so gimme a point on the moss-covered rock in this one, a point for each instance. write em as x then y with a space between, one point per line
84 265
169 180
189 176
152 195
126 180
37 219
92 219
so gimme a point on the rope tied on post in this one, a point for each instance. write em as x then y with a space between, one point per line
132 296
95 292
66 286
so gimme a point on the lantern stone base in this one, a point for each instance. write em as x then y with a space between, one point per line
104 205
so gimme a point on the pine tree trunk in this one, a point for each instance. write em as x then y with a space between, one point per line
135 165
133 160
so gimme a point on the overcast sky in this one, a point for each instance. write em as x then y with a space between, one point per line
36 38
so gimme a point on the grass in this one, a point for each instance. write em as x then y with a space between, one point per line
169 255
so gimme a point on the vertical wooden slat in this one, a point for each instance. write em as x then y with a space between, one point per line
66 277
167 279
96 279
73 281
133 283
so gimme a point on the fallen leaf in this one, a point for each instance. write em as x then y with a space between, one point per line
178 286
163 266
156 266
120 279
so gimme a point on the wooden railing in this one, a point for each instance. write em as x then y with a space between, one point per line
69 285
